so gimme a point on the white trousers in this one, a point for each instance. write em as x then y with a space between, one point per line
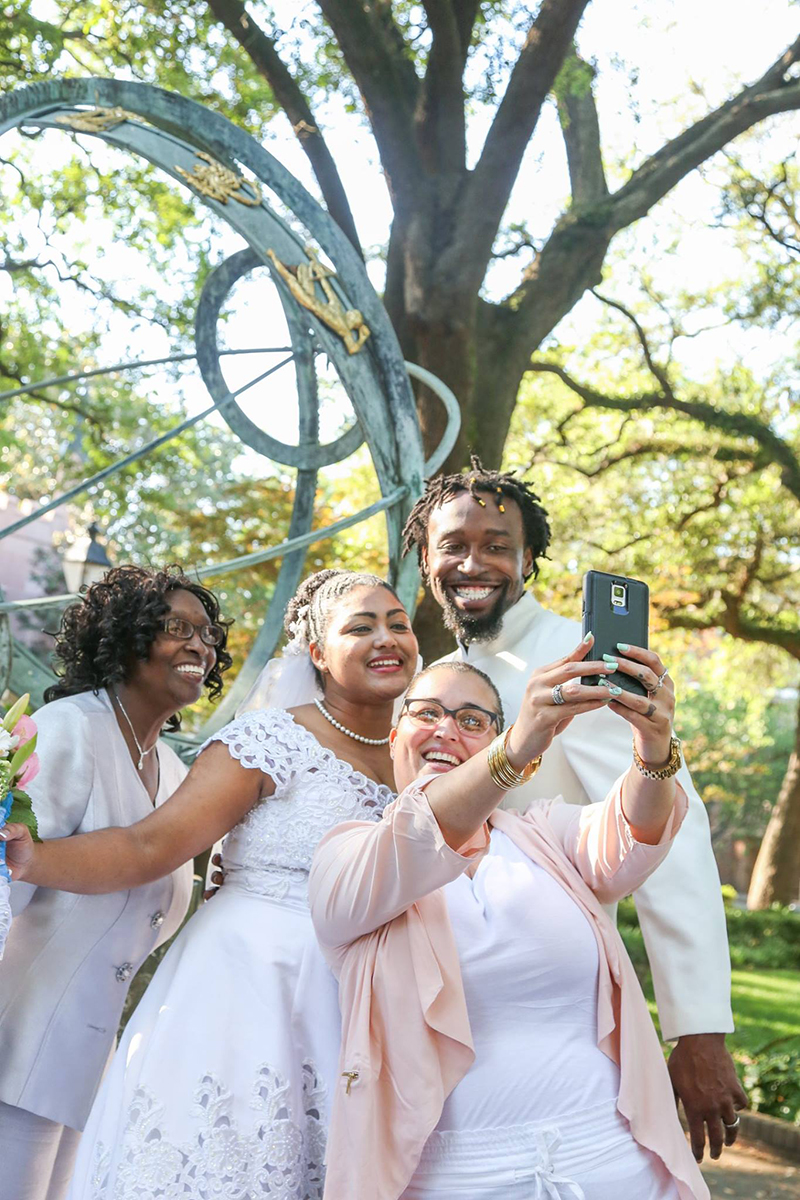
589 1155
37 1156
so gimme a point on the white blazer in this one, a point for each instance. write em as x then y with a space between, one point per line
69 959
680 906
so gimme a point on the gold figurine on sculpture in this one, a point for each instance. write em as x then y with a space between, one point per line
301 280
220 183
97 120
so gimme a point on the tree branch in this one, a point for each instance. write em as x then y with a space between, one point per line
776 91
376 57
265 58
7 372
440 118
721 421
572 258
580 129
729 618
484 200
658 372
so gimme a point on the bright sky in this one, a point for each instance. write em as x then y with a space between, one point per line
649 53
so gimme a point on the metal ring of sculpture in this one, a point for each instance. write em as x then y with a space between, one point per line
309 453
332 310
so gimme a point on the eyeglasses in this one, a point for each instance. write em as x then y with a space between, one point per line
179 627
471 719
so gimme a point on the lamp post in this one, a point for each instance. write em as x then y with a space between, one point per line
85 560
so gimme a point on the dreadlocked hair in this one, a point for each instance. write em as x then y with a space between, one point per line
308 612
115 623
479 482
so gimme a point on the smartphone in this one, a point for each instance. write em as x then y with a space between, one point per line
615 609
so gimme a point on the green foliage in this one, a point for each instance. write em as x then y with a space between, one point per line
767 940
772 1080
765 952
738 746
762 211
22 812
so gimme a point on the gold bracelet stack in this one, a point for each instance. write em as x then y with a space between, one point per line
503 774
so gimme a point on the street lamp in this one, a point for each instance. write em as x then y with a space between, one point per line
85 560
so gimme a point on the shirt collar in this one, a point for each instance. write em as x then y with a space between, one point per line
516 623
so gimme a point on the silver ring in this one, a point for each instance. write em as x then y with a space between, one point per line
556 694
652 692
733 1125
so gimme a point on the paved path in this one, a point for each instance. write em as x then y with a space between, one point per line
753 1173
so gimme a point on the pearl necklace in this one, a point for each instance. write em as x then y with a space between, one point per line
343 729
142 753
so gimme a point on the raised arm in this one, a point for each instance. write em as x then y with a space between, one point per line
365 874
465 797
215 795
599 841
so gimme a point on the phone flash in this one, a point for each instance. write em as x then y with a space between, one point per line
619 595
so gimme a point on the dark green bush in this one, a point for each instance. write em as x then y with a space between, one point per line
768 940
772 1080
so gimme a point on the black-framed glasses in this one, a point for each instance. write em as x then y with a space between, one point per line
179 627
471 719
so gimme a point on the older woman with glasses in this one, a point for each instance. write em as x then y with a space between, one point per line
495 1042
136 649
221 1082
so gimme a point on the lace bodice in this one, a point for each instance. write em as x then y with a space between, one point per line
314 790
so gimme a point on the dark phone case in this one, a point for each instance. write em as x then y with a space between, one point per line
610 626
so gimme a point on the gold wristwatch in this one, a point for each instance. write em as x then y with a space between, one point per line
673 764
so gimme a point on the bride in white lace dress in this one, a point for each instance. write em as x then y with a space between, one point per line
219 1089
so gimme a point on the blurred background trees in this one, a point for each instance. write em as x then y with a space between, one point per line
609 282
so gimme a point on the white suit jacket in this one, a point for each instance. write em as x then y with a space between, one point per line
69 959
680 906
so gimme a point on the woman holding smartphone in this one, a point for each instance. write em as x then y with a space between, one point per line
496 1044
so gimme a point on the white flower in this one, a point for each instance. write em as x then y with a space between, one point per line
8 742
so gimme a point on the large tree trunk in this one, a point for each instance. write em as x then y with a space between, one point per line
776 875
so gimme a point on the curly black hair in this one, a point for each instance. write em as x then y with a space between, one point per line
116 622
479 481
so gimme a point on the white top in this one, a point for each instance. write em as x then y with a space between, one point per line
680 906
529 964
314 790
70 959
220 1086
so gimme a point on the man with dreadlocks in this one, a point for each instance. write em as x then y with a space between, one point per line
478 538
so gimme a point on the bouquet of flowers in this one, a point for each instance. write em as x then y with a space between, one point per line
19 764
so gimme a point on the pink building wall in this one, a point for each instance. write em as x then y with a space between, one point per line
18 551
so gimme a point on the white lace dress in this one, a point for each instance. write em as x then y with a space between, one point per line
218 1090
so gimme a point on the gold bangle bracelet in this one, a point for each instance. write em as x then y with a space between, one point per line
502 773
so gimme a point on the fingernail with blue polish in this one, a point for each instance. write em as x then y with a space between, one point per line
623 646
610 661
615 691
588 638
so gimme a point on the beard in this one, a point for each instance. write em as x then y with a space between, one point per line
468 628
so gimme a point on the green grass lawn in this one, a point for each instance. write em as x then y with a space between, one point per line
766 1006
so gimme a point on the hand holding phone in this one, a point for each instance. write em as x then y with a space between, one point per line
615 610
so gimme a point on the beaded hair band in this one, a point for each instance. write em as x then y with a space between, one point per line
482 503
